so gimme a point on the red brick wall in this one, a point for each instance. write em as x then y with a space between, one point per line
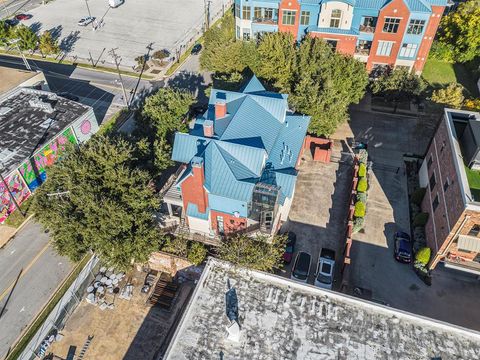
395 9
193 190
230 222
289 5
345 43
448 215
428 37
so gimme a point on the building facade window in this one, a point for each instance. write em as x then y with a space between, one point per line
435 203
237 10
391 25
288 17
304 17
474 231
335 18
257 13
220 225
433 181
446 184
238 32
415 27
332 43
246 34
408 50
246 12
384 48
430 162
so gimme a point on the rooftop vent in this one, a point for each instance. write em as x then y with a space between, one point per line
5 110
39 103
46 124
6 154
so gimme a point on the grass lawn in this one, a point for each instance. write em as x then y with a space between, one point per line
473 177
439 73
15 219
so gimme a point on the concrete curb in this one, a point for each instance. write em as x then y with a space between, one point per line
17 230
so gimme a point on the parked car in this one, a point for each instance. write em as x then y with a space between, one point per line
23 16
196 49
289 247
115 3
325 269
86 20
11 22
68 96
301 267
403 247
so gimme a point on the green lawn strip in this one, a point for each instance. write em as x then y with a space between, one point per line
439 73
16 218
473 177
112 124
39 320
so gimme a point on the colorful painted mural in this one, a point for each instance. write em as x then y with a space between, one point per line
17 188
33 170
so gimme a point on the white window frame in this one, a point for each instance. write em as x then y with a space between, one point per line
384 48
408 50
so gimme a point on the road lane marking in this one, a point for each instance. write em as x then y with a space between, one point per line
25 270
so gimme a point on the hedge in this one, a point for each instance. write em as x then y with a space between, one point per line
420 219
417 196
362 170
423 256
362 185
362 197
363 156
360 209
358 224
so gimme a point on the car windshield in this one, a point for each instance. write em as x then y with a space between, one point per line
299 274
324 279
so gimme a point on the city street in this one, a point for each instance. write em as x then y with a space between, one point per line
30 271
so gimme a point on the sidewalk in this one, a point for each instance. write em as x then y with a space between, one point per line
6 232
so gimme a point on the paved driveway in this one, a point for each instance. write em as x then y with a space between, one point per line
168 24
453 296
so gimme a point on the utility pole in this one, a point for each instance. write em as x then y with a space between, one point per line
206 6
90 14
117 60
15 42
149 47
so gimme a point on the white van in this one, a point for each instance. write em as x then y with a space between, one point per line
115 3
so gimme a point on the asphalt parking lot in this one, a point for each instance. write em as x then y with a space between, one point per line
373 265
130 28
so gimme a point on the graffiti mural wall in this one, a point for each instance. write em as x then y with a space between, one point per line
17 188
33 170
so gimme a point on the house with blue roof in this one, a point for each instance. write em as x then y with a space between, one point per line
380 33
239 163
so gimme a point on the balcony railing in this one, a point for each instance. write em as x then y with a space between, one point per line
359 51
367 28
267 21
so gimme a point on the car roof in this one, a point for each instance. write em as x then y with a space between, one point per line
303 258
327 253
404 245
403 235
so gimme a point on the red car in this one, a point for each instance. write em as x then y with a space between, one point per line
23 16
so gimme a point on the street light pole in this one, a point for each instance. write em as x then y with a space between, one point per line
117 60
15 42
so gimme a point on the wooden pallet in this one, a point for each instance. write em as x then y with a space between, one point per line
163 292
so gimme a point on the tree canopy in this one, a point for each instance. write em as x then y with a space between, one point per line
458 37
253 253
451 96
320 82
28 39
47 44
399 85
95 199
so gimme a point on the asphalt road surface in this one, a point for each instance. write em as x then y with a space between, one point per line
30 271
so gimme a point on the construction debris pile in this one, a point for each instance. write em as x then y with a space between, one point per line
106 286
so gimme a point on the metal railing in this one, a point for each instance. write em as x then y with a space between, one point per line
360 51
367 28
268 21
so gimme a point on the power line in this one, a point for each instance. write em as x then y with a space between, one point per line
117 60
149 47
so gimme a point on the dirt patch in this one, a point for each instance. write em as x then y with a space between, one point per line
131 330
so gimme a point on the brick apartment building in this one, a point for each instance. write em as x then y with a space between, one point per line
450 173
394 33
239 163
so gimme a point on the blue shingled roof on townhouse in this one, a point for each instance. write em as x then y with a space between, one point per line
187 146
254 85
349 2
192 210
418 5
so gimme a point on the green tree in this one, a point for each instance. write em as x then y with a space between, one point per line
47 44
163 113
458 37
324 85
399 85
277 59
472 104
5 33
253 253
451 96
28 39
197 253
176 245
106 206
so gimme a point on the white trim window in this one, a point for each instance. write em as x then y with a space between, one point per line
384 48
408 50
335 18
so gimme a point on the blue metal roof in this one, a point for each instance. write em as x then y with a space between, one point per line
251 157
253 85
332 31
418 5
371 4
349 2
192 210
187 146
290 140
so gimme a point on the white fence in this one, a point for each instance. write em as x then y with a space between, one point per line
62 311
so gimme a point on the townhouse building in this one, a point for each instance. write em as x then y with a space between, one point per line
239 163
380 33
450 174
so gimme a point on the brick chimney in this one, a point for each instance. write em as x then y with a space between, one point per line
192 188
208 128
220 105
